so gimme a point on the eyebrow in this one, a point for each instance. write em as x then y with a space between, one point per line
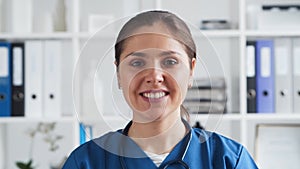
140 54
164 53
169 52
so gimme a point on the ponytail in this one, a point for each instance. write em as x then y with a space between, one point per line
184 113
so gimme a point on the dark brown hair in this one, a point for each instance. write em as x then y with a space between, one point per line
176 27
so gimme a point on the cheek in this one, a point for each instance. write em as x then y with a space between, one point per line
125 77
129 82
181 77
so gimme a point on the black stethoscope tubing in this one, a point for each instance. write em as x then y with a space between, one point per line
168 164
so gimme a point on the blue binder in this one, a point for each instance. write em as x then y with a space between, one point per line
265 86
82 134
5 79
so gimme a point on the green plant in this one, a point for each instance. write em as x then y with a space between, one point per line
23 165
49 136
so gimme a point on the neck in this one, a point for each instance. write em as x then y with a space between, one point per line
158 136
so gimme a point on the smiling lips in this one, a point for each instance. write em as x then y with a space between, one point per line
154 95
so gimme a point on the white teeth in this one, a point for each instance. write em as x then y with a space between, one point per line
154 95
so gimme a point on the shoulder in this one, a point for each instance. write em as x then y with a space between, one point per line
216 139
226 152
90 152
100 144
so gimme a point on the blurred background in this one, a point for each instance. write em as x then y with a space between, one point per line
58 86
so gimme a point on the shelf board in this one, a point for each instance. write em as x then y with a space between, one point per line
229 117
263 116
106 118
272 116
271 33
215 116
193 117
198 33
217 33
54 35
7 120
87 35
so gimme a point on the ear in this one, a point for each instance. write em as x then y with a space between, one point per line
118 75
193 65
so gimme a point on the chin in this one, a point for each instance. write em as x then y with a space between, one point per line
151 115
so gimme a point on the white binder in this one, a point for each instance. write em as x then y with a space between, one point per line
296 75
33 78
52 78
283 75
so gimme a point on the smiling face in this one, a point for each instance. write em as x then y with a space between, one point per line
154 73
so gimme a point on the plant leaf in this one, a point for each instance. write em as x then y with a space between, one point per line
21 165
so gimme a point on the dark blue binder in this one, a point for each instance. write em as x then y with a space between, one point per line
5 79
265 86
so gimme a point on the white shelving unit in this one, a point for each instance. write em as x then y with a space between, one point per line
272 33
229 44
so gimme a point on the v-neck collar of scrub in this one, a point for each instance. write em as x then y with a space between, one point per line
178 151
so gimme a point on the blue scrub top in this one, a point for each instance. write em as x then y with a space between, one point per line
200 150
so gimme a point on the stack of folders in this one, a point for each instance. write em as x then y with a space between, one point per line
206 96
30 79
273 75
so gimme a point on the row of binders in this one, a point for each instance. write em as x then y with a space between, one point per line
30 78
273 75
207 95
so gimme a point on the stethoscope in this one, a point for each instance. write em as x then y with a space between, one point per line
178 161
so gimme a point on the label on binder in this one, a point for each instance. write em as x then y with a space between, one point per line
4 62
297 61
250 61
17 66
265 62
281 62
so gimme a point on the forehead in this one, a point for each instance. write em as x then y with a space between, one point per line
145 41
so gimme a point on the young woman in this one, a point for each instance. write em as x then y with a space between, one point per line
155 58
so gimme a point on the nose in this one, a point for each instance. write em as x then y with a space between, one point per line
154 76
